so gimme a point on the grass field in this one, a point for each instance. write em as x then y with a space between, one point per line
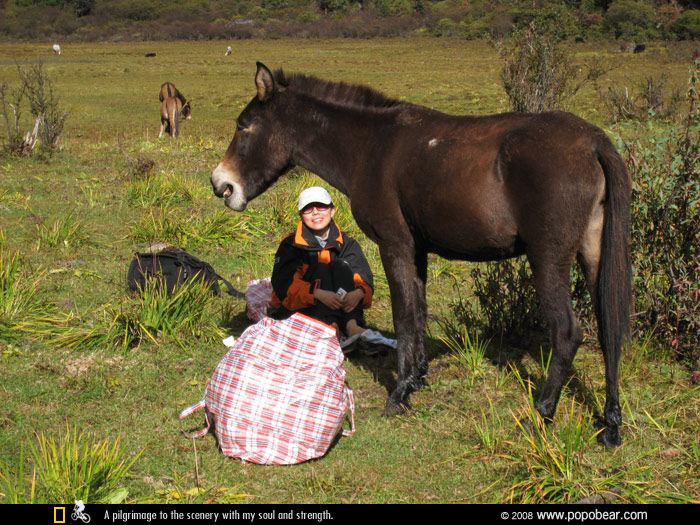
76 220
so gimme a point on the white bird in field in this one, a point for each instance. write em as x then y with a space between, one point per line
228 51
57 49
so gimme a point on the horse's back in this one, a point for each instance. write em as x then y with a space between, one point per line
481 187
167 90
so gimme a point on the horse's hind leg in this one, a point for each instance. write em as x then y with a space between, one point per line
552 282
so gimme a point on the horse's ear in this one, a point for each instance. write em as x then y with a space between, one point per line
264 82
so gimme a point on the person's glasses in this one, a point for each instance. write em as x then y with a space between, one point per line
318 207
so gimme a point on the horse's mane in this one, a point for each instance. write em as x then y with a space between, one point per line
355 95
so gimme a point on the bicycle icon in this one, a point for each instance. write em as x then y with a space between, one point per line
78 513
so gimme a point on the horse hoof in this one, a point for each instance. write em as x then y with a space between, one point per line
610 437
393 409
526 427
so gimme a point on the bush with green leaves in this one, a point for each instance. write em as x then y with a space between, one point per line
665 222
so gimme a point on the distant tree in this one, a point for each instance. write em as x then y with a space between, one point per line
687 27
330 6
82 7
626 17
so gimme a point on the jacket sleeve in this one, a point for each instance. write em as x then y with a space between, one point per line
288 284
362 273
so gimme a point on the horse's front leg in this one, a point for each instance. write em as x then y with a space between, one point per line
406 270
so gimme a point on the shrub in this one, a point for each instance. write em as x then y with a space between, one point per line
506 308
49 120
538 75
649 98
18 143
665 165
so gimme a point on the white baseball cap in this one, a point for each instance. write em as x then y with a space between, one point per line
314 194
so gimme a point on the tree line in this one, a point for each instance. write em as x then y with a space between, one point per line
91 20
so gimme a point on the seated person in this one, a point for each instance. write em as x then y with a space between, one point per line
321 272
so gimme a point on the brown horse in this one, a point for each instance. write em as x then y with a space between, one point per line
173 107
549 185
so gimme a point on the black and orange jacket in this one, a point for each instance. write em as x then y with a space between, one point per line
296 261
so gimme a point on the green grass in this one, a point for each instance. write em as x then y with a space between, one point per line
74 223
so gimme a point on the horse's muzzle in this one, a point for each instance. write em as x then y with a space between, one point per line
228 189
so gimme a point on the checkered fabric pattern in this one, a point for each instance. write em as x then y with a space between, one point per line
279 396
258 294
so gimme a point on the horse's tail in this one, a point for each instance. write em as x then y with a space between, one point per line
614 272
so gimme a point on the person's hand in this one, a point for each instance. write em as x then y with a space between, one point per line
330 299
352 299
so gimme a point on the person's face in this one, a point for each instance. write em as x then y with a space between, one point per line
317 217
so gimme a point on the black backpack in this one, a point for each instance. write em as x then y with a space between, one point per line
173 268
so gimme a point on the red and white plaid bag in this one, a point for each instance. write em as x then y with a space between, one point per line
258 294
279 396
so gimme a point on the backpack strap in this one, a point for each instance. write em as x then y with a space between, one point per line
191 410
188 259
231 289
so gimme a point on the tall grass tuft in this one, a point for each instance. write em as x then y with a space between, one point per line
190 231
468 351
166 191
61 231
155 313
555 468
488 429
555 458
13 488
19 301
23 313
78 467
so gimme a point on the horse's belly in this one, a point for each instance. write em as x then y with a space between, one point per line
472 237
478 250
472 229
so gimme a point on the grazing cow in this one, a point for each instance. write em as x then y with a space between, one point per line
57 49
228 51
173 107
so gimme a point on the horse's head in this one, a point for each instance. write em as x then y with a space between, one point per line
259 152
187 110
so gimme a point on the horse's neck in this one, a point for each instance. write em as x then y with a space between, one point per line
333 143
